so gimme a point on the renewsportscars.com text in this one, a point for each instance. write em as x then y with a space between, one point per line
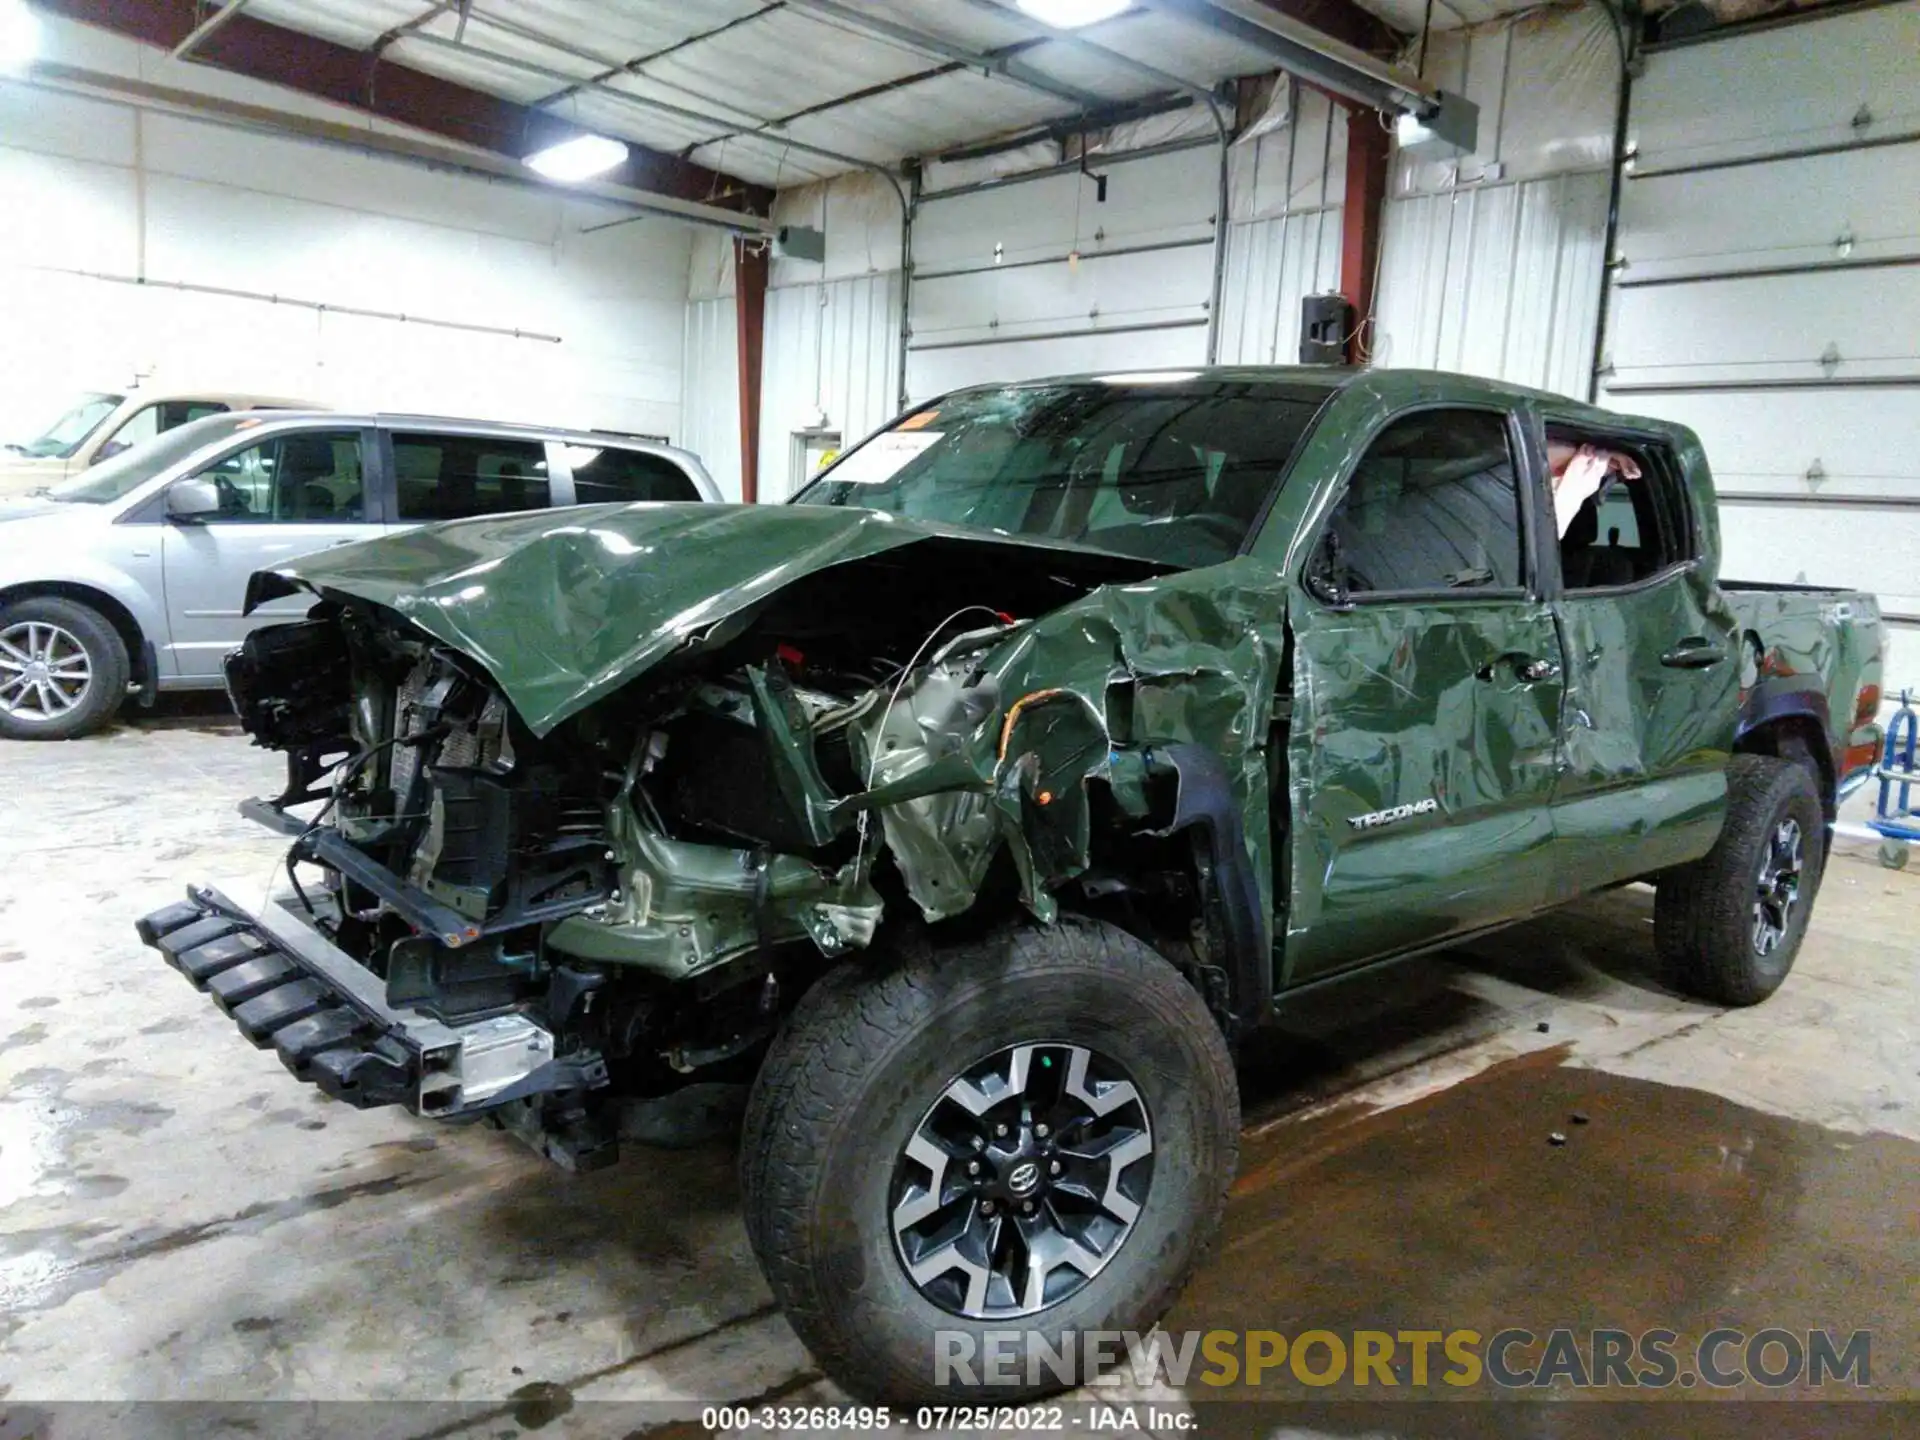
1385 1360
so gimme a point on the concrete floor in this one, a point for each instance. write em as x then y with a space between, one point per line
179 1220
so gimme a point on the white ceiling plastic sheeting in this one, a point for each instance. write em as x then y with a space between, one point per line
749 68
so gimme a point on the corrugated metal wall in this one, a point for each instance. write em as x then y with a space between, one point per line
710 410
1283 241
832 357
1492 263
1502 281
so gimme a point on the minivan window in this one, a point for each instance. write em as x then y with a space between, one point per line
450 477
66 435
308 476
125 473
611 474
155 419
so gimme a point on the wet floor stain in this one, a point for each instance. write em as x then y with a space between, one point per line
1668 1208
540 1403
43 1269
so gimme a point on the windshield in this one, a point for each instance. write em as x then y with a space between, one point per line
1175 471
125 472
69 432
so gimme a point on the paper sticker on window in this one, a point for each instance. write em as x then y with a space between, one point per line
884 456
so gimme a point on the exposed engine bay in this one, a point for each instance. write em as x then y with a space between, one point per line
630 896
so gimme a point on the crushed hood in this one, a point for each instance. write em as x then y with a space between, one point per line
563 607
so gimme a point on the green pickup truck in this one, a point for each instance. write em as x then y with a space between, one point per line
983 804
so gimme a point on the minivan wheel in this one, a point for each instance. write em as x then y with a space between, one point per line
63 669
1028 1133
1729 925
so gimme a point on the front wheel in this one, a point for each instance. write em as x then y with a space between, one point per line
1729 925
1013 1141
63 669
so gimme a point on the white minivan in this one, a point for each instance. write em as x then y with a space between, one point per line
101 424
131 578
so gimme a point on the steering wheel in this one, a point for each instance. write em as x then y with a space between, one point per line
233 500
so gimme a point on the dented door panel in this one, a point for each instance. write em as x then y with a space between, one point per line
1395 706
1646 743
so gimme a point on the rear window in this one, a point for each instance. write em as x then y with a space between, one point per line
613 474
450 477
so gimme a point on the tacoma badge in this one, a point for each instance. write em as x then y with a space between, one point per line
1398 812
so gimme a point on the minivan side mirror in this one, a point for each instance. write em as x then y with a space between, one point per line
110 448
190 502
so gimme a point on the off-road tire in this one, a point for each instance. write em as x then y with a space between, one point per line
1703 915
863 1057
106 655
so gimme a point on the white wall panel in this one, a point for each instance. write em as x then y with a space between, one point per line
1853 441
1271 266
1019 302
1804 382
1037 277
1151 200
1787 88
1547 85
932 372
1768 327
832 352
1856 205
110 211
1499 280
1491 263
710 414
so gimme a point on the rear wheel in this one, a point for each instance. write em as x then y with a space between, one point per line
1729 925
1033 1132
63 669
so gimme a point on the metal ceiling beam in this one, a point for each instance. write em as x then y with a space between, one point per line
1086 44
1344 21
70 79
640 62
1006 67
1310 53
645 102
207 27
362 80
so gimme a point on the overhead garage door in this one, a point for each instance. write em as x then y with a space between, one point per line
1771 294
1038 277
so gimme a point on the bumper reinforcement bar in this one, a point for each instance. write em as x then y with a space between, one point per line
327 1016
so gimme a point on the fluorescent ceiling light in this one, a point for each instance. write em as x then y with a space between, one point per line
1150 377
1071 14
19 37
580 158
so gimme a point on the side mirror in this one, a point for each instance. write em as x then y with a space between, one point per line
190 502
109 449
1326 576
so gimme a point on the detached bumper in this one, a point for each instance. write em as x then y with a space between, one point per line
327 1016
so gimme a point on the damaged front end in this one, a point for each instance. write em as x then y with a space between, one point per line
570 820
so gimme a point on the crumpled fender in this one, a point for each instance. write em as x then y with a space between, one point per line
1191 658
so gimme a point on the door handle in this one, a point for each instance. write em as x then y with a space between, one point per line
1528 669
1693 654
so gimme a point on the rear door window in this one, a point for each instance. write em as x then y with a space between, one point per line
1621 509
613 474
451 477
